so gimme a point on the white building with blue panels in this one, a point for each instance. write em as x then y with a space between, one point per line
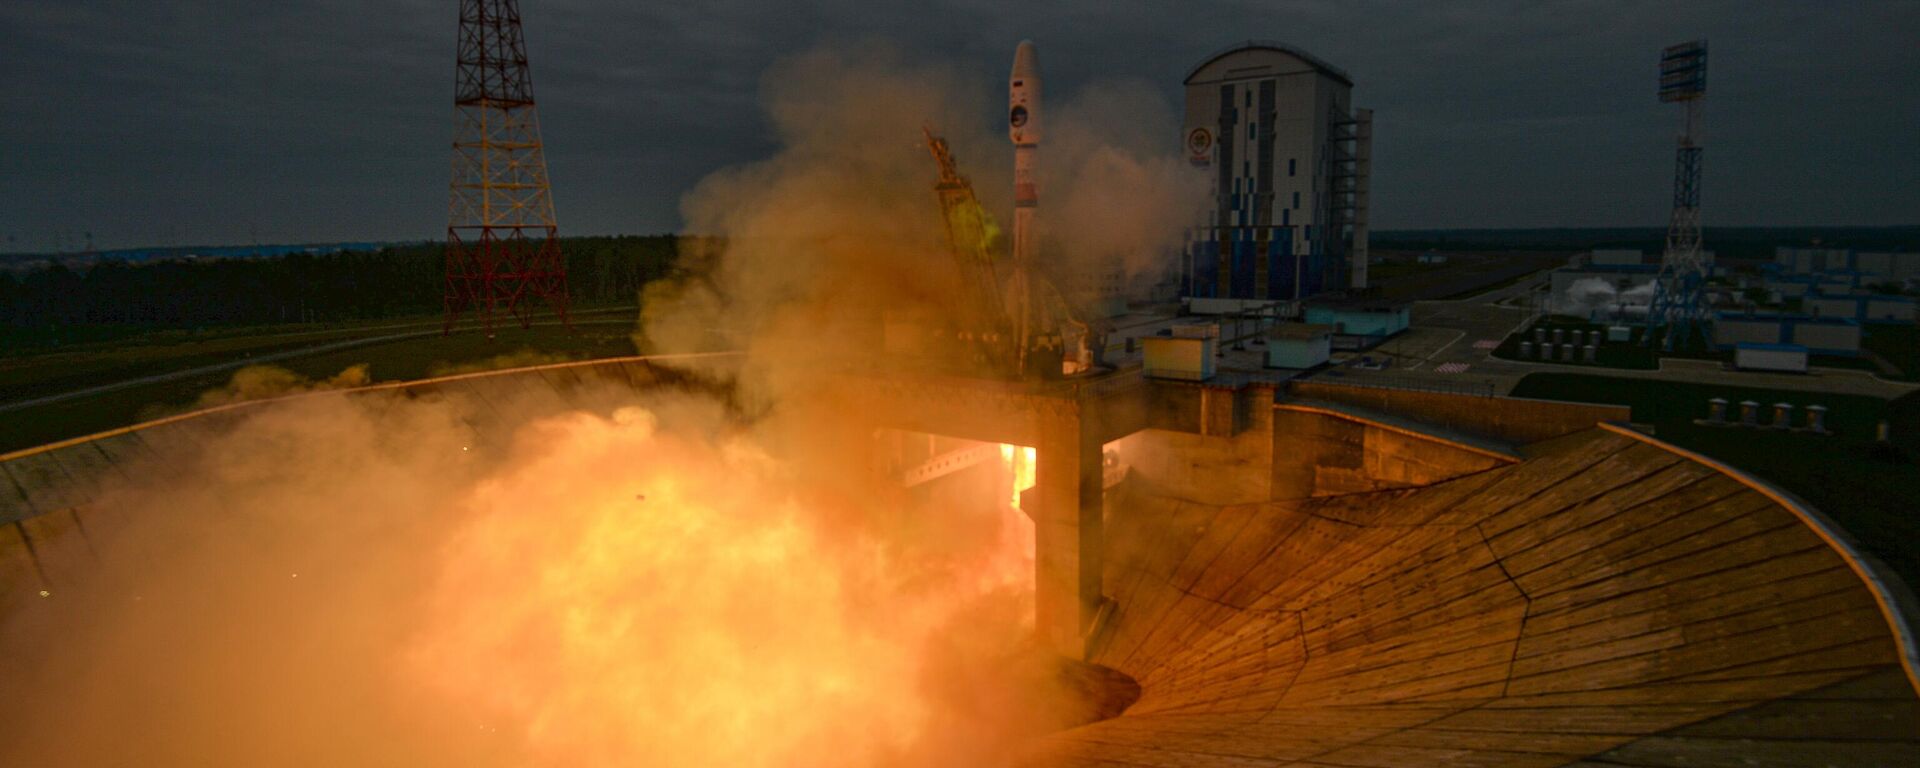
1287 159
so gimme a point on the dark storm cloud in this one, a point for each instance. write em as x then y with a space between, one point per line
175 122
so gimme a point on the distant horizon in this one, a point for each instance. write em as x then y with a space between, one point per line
147 126
1655 230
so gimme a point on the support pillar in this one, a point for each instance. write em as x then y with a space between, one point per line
1068 539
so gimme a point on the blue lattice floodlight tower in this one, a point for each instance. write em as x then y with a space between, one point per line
1679 299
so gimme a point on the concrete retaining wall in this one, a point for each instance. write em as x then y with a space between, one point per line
1508 419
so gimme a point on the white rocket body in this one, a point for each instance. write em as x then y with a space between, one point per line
1023 127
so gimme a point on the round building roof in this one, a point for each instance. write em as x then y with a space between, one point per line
1316 62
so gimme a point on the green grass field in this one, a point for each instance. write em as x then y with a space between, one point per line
1871 490
416 356
1899 345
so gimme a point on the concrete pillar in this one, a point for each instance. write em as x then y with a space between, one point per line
1068 540
1817 419
1783 415
1749 413
1717 411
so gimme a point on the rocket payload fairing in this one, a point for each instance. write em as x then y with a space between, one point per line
1023 127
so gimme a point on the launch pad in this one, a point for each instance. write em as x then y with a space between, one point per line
1308 574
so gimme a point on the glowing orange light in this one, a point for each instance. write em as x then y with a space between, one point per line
1019 462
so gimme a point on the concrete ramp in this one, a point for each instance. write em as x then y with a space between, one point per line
1609 600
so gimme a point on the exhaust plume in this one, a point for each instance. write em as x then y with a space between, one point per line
674 579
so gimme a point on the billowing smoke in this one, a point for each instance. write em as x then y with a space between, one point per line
1114 196
1588 295
842 222
686 580
259 382
358 581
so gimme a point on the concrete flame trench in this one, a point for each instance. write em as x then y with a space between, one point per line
1066 424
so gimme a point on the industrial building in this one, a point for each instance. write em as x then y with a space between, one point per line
1359 324
1861 308
1288 158
1838 336
1840 282
1299 345
1876 266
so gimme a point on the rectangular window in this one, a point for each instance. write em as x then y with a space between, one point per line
1286 217
1296 200
1252 130
1289 166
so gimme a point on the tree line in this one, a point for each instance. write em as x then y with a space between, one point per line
395 281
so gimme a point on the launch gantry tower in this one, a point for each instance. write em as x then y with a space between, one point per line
503 250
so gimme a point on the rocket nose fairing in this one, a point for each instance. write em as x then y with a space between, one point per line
1023 96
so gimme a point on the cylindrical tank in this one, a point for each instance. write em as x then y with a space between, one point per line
1566 353
1749 413
1539 335
1817 418
1590 353
1559 335
1717 411
1526 350
1783 415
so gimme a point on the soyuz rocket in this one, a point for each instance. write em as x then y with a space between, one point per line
1023 127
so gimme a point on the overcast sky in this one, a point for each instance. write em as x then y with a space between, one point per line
150 122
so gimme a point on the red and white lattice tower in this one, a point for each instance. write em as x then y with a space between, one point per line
502 249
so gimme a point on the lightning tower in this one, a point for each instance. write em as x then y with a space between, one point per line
502 250
1679 301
